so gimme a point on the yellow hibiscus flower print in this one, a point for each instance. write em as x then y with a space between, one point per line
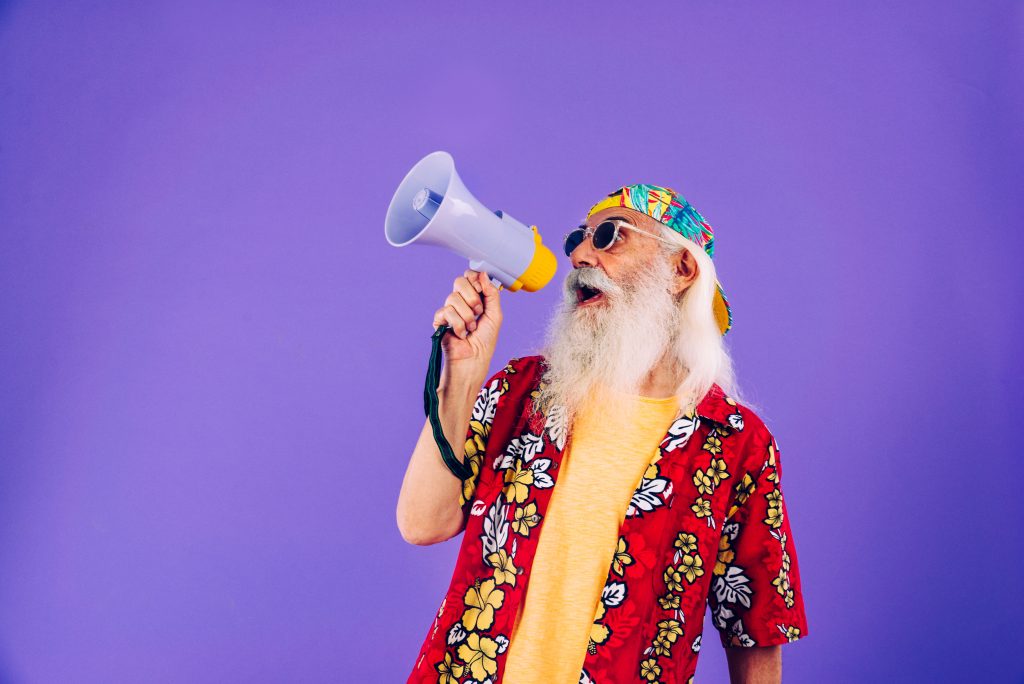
701 508
621 558
725 555
650 670
774 475
469 484
717 471
504 569
703 482
686 542
525 519
598 633
450 672
712 443
669 601
691 567
792 633
478 442
783 587
480 654
774 517
481 599
745 488
673 579
653 471
671 629
517 482
662 647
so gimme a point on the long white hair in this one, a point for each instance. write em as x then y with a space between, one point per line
699 346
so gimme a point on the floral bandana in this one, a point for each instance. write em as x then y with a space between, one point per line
669 207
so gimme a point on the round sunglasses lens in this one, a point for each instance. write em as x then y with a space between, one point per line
603 235
573 240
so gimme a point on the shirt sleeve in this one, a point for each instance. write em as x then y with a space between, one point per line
755 595
480 423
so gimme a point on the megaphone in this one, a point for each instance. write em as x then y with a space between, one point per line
433 207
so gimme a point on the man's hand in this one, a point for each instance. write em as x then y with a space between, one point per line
754 664
472 343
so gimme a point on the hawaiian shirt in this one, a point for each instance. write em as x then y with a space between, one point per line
706 522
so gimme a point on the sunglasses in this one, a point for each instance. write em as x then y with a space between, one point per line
605 234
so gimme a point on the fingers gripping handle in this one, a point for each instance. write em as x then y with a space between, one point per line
459 469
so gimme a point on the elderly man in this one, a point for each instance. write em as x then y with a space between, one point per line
618 483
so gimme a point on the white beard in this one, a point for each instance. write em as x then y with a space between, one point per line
605 350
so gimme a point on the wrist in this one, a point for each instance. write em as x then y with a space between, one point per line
459 380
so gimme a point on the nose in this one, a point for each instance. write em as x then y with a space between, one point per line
584 254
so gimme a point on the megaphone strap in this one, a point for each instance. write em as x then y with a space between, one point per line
459 469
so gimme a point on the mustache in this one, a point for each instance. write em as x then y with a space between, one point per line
592 277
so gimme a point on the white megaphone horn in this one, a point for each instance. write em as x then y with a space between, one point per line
432 206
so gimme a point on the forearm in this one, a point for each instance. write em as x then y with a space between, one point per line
428 505
754 664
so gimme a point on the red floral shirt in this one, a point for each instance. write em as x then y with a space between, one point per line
707 522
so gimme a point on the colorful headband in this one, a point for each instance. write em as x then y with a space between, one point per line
670 208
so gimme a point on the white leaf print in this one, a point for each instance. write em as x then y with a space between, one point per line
541 478
495 529
456 634
721 616
557 427
736 421
487 402
525 446
695 646
503 461
737 631
733 587
503 642
645 498
532 445
679 432
585 678
731 530
613 594
513 451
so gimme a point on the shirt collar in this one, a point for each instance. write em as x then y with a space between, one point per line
716 405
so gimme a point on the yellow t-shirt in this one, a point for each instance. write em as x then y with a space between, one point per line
600 469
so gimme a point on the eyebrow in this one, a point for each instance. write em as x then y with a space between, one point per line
611 218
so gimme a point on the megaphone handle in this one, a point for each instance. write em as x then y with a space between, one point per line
459 469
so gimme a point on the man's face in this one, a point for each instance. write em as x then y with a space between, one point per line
623 260
618 317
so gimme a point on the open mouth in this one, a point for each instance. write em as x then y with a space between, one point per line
585 295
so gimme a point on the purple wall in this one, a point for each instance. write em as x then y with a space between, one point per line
212 359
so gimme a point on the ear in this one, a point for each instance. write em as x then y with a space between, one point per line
685 267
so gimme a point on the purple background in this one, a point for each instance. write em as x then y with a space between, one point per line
212 359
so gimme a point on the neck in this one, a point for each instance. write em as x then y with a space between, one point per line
663 379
